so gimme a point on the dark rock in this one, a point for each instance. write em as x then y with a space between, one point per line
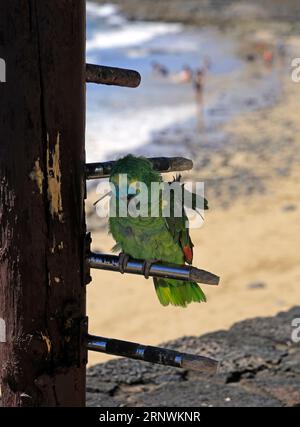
281 387
256 285
100 400
290 365
200 394
289 207
283 171
96 386
260 366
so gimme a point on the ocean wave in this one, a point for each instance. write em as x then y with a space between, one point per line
130 34
127 131
102 11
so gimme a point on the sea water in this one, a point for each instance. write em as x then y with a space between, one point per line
123 120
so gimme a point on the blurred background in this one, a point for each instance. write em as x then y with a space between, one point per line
217 88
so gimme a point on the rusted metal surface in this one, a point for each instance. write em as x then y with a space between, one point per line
112 76
172 271
42 224
152 354
161 164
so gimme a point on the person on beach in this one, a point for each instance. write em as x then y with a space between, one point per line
268 58
207 63
160 69
281 53
198 85
186 75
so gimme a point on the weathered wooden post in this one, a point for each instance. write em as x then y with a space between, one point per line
42 228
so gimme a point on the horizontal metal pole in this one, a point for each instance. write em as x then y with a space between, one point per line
112 76
161 164
152 354
171 271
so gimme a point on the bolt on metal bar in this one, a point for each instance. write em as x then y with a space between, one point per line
152 354
161 164
112 76
172 271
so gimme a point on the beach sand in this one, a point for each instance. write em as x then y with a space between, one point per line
250 237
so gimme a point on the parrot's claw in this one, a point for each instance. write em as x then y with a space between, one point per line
123 260
147 266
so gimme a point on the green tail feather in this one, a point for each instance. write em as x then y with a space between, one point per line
177 292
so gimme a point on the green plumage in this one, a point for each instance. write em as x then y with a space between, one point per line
149 238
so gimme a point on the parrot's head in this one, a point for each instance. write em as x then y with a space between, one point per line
131 171
136 169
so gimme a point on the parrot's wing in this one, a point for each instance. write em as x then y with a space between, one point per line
177 224
117 248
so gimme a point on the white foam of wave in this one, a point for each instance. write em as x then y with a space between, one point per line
131 34
102 11
128 131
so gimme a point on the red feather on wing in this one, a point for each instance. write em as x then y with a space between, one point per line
188 254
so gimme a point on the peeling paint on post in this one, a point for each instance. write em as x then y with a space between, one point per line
37 175
2 330
2 71
54 179
42 224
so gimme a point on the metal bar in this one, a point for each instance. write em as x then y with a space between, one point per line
152 354
172 271
112 76
161 164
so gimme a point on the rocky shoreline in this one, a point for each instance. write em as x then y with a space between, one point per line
216 12
260 366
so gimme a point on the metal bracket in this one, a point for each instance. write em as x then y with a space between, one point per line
74 331
172 271
161 164
87 250
112 76
152 354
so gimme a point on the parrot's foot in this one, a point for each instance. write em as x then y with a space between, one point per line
147 266
123 260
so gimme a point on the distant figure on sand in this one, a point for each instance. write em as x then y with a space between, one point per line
281 51
268 57
199 88
207 63
160 69
186 75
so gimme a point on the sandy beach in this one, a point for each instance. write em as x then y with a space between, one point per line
250 236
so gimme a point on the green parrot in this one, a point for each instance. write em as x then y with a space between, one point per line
152 238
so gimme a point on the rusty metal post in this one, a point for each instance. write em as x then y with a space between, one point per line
148 353
101 74
42 226
161 164
135 266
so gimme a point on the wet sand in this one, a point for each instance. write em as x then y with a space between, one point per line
250 236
